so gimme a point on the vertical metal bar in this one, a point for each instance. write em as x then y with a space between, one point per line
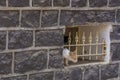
76 41
103 49
69 40
83 40
90 41
97 38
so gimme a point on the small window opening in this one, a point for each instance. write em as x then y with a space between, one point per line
87 44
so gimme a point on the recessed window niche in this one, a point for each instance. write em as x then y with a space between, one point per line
87 44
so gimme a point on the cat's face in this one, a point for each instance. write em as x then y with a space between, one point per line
73 55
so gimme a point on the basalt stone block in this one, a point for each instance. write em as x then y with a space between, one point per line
3 3
26 61
105 16
115 33
76 17
49 18
15 78
118 16
2 40
42 76
114 36
61 3
49 38
5 63
109 71
42 3
114 3
91 73
20 39
62 75
18 3
9 18
55 58
76 74
98 3
79 3
115 51
30 19
116 29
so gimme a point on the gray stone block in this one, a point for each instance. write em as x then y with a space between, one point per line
20 39
15 78
105 16
42 3
5 63
118 16
91 73
61 3
76 73
115 51
114 3
2 40
42 76
49 38
55 58
2 3
109 71
76 17
98 3
79 3
26 61
49 18
18 3
62 75
9 18
30 19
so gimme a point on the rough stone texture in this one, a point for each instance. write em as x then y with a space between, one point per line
76 17
18 3
105 16
79 3
42 3
2 40
30 60
20 39
30 19
2 2
42 76
97 3
91 73
69 74
118 15
61 3
76 74
49 38
9 18
109 71
62 75
114 3
5 63
55 58
115 36
49 18
115 51
15 78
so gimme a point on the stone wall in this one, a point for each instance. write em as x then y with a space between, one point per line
31 38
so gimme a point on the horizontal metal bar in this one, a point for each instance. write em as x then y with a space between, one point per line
83 44
99 54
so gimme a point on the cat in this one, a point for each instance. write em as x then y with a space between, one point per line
69 56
